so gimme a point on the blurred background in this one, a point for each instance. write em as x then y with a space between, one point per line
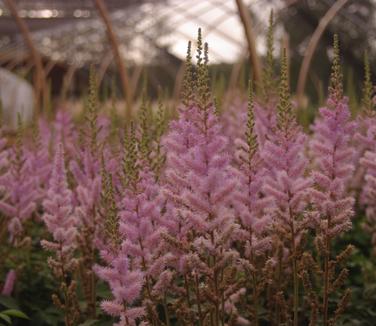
48 46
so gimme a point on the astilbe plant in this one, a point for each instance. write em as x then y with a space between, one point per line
252 209
9 283
4 166
62 225
232 119
20 188
86 184
204 223
365 139
132 269
157 154
366 147
287 186
265 106
40 160
332 205
369 194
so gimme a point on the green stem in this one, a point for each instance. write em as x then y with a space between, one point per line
295 277
166 311
326 280
200 317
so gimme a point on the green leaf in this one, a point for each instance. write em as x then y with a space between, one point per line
8 302
6 318
89 322
15 313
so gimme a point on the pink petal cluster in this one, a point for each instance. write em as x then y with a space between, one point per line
287 183
265 122
333 167
368 162
252 207
133 267
20 186
10 280
200 183
59 209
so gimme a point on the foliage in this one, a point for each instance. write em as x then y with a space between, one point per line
201 220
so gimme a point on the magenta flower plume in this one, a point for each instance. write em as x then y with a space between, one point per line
140 236
20 186
178 142
287 185
126 284
369 193
364 138
86 173
265 121
10 280
199 189
140 219
58 207
362 142
198 169
252 207
333 159
4 161
232 122
284 158
332 206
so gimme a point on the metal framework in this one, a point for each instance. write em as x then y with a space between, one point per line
107 33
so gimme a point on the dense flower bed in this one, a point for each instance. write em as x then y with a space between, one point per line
200 220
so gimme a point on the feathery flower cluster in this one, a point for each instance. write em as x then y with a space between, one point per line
287 185
58 207
20 187
332 204
62 225
202 220
131 264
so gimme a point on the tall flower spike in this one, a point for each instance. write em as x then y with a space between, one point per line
332 205
9 283
199 50
287 184
336 78
158 156
188 80
58 208
1 114
367 87
285 115
203 91
251 207
92 111
250 134
19 135
109 210
85 169
145 129
130 164
20 186
268 82
61 224
199 188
